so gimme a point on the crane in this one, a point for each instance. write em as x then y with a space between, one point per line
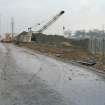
29 36
43 28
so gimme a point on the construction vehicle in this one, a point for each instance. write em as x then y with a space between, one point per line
29 36
7 39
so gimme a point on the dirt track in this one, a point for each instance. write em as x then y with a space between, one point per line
29 78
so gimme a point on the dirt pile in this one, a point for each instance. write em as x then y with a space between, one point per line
66 53
69 53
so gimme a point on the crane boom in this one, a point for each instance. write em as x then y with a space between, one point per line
51 22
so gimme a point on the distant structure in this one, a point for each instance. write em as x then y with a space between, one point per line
8 38
67 33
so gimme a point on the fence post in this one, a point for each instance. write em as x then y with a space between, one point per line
103 51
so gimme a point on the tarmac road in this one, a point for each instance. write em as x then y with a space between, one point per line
29 78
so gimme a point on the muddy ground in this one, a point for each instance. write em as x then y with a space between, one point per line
70 53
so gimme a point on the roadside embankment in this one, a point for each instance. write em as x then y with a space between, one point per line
70 53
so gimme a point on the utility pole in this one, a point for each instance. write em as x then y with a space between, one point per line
12 27
95 46
103 50
0 24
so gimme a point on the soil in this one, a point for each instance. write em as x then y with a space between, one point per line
71 53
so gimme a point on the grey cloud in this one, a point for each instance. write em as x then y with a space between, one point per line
29 12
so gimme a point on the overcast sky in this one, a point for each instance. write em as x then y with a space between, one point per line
80 14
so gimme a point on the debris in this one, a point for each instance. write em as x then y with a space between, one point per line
58 55
69 78
97 79
66 44
88 62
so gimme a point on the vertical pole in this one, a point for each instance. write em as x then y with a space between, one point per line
91 44
12 27
103 50
91 47
95 46
0 25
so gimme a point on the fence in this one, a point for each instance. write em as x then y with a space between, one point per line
97 46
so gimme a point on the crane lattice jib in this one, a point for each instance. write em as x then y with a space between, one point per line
51 22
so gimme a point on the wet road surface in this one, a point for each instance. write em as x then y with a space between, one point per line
28 78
